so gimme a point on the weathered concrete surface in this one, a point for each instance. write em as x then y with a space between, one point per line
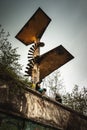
32 105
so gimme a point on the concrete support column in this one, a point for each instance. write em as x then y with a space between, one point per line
36 71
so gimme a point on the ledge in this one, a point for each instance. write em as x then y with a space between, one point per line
31 105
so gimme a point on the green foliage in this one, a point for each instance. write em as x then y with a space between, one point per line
77 99
8 56
9 66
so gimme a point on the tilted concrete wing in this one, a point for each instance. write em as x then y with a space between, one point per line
52 60
34 28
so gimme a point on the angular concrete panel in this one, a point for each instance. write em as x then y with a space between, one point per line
34 28
52 60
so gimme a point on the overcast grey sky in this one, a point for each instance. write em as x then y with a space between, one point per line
68 27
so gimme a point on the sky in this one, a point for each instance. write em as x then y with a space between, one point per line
68 28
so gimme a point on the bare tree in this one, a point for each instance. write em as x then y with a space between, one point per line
53 83
77 99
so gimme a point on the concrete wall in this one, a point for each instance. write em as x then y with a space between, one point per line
34 106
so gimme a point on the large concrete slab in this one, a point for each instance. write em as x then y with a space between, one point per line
34 28
53 60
